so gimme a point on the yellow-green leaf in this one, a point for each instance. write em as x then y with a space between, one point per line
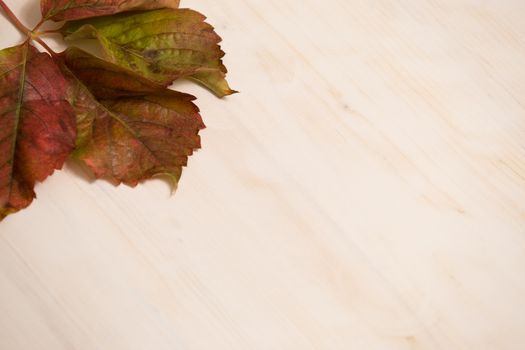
161 45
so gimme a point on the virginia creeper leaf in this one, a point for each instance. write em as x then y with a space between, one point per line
161 45
37 124
67 10
137 129
115 115
106 80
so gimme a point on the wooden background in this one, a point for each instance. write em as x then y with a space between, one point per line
365 191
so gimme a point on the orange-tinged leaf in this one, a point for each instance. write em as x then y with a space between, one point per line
143 137
37 124
161 45
67 10
137 130
106 80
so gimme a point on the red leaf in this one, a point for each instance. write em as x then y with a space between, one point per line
60 10
37 124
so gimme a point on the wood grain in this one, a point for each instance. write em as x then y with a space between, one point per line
364 191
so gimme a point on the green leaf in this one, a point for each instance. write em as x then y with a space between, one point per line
137 130
37 124
68 10
161 45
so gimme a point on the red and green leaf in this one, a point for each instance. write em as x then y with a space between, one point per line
161 45
37 124
137 130
68 10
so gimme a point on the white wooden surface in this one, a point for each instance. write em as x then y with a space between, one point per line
365 191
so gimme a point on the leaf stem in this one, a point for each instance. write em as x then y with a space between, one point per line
48 32
14 19
44 45
39 24
31 34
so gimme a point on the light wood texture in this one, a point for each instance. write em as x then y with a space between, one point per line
366 190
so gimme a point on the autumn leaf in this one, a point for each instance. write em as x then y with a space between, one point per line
116 114
37 124
137 130
67 10
140 138
161 45
106 80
